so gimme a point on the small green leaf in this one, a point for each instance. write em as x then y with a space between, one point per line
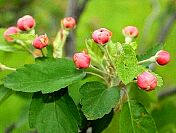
4 45
54 113
73 89
95 52
23 37
4 93
98 100
7 48
47 76
134 45
59 42
126 65
159 80
150 52
114 49
138 120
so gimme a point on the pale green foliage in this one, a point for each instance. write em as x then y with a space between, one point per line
59 42
159 80
126 65
134 45
95 52
4 45
114 49
23 37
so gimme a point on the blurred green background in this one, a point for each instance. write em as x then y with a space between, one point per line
150 16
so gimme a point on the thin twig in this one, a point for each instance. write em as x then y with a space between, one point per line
166 93
80 9
75 10
10 128
150 20
166 28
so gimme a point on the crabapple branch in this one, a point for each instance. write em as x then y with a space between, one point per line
150 19
166 93
10 128
75 10
166 28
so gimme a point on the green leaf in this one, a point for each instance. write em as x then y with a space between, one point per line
114 49
141 95
73 89
4 93
98 100
7 48
135 116
126 65
54 113
23 37
95 52
150 52
4 45
47 76
59 42
134 45
159 80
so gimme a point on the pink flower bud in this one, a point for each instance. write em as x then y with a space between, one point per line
147 81
101 36
40 41
163 57
130 31
81 60
25 23
69 22
10 31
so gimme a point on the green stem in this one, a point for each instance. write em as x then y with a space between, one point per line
128 40
100 71
9 68
24 46
3 67
152 59
43 53
121 100
97 75
109 58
